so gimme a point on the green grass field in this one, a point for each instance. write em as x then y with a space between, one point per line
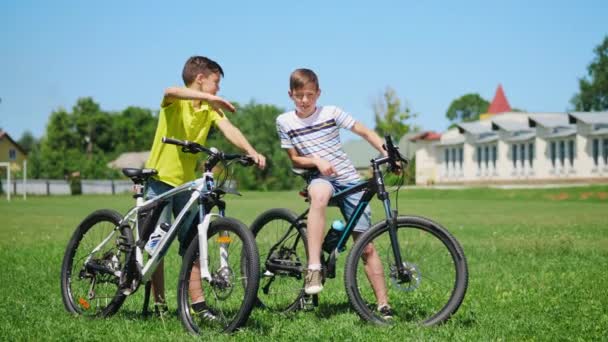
538 262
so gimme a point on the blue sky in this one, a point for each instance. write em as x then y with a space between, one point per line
125 53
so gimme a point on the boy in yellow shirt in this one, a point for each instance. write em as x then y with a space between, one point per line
187 113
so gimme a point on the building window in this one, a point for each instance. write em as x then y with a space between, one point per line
12 154
454 158
596 150
514 155
531 154
605 151
553 153
562 152
487 156
479 157
494 156
522 154
460 157
571 152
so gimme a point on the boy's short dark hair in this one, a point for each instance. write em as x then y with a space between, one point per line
199 65
301 77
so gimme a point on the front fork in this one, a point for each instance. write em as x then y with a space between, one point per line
391 219
203 228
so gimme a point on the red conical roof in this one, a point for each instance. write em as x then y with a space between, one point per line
500 103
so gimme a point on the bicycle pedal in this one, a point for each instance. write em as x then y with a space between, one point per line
307 302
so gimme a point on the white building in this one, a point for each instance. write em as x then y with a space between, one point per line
517 147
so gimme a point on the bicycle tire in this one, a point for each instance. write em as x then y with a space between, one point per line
281 291
87 291
231 294
432 294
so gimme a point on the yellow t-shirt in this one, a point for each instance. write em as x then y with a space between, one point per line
181 121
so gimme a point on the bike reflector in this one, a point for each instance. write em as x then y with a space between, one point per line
83 302
224 239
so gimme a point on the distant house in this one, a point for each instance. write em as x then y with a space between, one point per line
11 152
518 148
130 159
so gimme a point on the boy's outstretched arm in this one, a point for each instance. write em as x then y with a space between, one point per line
372 137
178 93
237 138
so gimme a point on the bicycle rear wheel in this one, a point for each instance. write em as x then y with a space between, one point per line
234 267
434 282
281 240
92 264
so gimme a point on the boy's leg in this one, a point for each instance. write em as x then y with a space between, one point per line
319 191
373 264
185 237
154 189
158 284
374 272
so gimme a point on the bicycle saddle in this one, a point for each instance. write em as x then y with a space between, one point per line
139 175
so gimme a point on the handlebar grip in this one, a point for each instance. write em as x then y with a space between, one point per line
172 141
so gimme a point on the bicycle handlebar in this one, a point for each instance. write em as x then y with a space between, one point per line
214 153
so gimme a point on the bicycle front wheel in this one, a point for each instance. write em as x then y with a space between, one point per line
431 284
92 264
234 267
283 256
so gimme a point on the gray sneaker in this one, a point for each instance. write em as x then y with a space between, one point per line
312 282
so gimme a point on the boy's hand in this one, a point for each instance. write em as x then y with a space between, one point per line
325 167
259 159
220 104
396 170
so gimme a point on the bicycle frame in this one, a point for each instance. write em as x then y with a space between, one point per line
201 189
370 187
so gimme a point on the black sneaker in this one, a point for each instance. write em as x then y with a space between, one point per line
204 312
386 312
207 315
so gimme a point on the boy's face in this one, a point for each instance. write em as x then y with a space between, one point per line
209 84
305 98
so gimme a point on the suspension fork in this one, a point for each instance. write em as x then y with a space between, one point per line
391 218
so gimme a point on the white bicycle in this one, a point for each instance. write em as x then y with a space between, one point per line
104 260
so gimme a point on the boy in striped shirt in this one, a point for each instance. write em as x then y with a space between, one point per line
311 136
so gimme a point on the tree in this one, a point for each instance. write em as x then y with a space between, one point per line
467 108
27 141
593 91
258 124
390 117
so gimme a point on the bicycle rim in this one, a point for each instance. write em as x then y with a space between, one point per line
87 291
281 289
231 293
435 281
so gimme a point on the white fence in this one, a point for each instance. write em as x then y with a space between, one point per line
62 187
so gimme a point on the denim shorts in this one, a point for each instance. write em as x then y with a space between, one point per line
176 203
348 203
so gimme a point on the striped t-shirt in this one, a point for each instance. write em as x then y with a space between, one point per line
318 136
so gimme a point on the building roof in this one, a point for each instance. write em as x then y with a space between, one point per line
548 120
4 134
499 103
511 122
475 127
425 136
130 159
588 117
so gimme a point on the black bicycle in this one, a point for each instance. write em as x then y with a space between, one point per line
104 261
424 267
